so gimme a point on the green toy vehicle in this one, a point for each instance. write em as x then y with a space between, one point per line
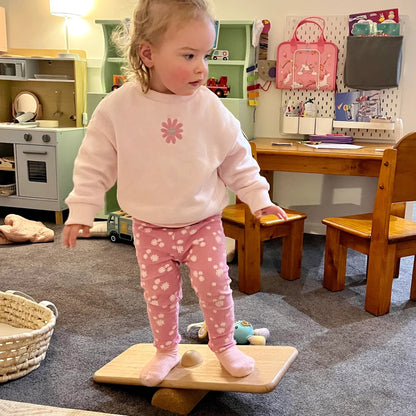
120 227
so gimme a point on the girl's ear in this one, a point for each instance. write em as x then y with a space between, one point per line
145 53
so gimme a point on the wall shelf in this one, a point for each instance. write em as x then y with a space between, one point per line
59 84
372 125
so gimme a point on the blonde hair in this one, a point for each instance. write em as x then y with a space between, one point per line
151 19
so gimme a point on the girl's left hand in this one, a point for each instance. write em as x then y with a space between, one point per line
271 210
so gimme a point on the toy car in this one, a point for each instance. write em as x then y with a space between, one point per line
220 54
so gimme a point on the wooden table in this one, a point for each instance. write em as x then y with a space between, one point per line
297 157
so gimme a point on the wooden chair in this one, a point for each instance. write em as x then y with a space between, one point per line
383 235
241 225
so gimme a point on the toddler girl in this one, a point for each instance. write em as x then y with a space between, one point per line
173 149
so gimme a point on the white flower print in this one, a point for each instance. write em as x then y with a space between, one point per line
165 268
199 275
200 242
220 301
220 328
157 242
154 257
218 269
165 286
146 254
178 247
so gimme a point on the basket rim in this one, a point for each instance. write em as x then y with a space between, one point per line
34 333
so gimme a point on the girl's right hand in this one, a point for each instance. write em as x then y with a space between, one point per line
71 232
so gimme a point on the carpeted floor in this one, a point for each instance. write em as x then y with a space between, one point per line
350 362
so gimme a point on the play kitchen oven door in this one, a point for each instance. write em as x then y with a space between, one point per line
36 171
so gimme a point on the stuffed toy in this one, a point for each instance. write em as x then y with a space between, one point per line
243 333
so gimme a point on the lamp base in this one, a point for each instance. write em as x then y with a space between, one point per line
69 56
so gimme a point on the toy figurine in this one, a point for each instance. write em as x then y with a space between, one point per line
243 333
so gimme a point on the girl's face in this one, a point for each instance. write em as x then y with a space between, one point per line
178 62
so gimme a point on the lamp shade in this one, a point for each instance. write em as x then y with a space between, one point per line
67 8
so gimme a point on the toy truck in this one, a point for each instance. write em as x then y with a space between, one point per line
120 227
220 54
219 87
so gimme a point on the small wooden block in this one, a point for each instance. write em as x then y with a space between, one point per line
272 362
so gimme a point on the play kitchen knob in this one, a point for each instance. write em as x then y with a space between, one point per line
27 137
46 138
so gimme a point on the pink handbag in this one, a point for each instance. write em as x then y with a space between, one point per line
307 65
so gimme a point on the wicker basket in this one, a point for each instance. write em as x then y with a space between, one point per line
22 353
6 190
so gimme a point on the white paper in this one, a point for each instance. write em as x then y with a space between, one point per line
334 146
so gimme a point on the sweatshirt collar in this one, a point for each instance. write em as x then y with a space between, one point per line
169 98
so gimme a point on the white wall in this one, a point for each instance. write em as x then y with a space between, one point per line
30 25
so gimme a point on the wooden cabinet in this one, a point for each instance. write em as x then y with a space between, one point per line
39 163
60 84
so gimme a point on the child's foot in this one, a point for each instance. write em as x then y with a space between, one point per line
159 367
235 362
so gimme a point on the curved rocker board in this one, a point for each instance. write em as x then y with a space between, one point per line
272 362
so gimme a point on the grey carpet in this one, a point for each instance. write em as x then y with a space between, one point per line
350 362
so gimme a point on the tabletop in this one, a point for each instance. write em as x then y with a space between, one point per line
293 156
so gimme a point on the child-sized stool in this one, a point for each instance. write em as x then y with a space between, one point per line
198 373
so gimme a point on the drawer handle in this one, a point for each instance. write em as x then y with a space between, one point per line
27 152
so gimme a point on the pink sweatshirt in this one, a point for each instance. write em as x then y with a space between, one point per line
172 157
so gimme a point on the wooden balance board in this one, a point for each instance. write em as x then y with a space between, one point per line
187 384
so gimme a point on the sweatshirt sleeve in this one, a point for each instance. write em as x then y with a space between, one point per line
95 171
241 174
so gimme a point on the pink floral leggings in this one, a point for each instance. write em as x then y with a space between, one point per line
201 246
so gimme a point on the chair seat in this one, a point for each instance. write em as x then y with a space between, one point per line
249 234
236 214
400 229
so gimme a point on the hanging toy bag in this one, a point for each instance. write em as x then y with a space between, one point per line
307 65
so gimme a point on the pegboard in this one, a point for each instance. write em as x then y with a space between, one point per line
336 31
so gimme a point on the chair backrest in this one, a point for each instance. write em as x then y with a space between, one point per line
396 183
405 178
254 154
253 150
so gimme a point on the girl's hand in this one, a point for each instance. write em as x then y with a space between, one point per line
271 210
71 232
